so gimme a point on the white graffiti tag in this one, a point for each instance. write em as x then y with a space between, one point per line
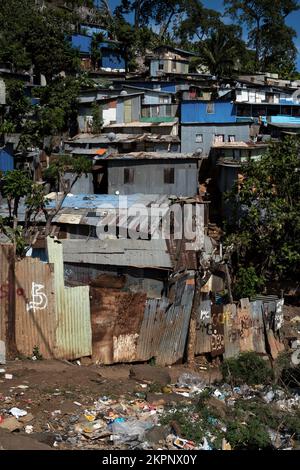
39 299
295 357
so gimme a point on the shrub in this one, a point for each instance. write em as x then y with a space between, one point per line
252 435
247 368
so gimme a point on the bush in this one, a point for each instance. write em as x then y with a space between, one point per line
247 368
252 435
247 283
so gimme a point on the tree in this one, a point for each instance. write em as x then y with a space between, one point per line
197 22
56 172
16 185
258 16
18 105
264 232
223 50
279 52
34 38
97 118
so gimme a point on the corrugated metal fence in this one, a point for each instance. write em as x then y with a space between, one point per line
37 310
114 326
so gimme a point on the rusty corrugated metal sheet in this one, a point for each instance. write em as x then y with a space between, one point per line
181 258
217 336
173 340
258 326
116 320
74 332
245 326
7 294
35 307
203 328
151 329
231 331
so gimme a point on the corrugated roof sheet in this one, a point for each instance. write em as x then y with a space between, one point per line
103 201
151 156
140 124
91 139
118 252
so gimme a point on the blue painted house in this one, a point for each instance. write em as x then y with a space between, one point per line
204 123
111 58
6 160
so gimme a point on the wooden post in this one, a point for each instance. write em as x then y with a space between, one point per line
191 345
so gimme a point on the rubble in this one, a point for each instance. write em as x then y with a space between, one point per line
189 414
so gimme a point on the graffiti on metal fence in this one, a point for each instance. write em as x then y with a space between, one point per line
39 299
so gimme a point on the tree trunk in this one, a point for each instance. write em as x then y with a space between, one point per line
15 212
228 282
137 14
191 345
58 207
257 44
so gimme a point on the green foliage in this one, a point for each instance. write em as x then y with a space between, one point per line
34 37
56 113
58 102
250 435
95 49
16 184
97 118
18 106
268 33
247 283
264 231
222 51
247 368
56 170
36 353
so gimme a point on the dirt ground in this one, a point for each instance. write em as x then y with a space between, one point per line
58 390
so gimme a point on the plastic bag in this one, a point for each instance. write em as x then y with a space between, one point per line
191 381
130 428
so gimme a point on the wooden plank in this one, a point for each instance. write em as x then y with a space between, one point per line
258 326
203 328
231 331
217 336
245 326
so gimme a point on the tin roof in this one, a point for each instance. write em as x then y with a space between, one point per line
118 252
150 156
91 139
141 124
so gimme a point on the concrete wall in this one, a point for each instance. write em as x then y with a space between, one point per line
188 135
149 177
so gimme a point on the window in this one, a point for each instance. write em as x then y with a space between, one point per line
199 138
219 138
169 175
231 138
164 99
210 108
128 175
236 154
161 66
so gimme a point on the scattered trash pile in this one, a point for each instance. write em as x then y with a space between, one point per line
188 415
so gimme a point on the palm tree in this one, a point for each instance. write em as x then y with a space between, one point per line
220 52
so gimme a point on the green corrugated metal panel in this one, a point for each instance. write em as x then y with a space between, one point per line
74 332
157 119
